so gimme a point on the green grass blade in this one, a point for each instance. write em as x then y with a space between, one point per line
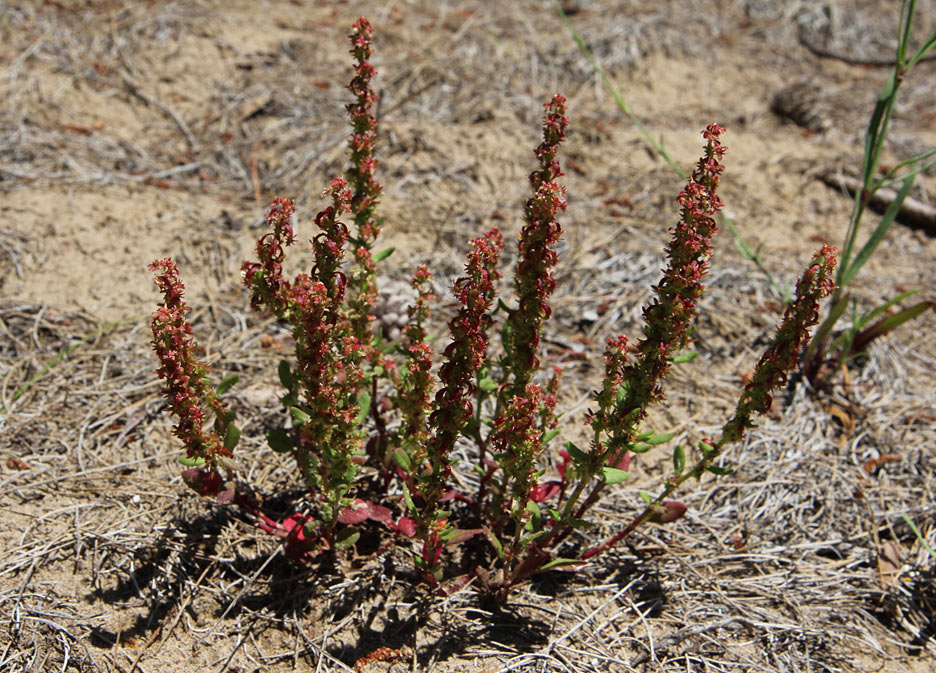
618 98
878 235
822 332
916 531
891 322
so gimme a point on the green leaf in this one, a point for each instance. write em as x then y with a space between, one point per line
706 449
679 459
720 471
579 524
364 406
871 315
498 547
311 528
685 357
285 375
383 254
560 563
916 531
646 497
613 475
226 383
661 438
347 537
549 435
639 447
536 516
578 456
887 219
408 499
194 461
885 325
231 437
279 440
487 385
532 537
501 306
299 417
401 458
822 332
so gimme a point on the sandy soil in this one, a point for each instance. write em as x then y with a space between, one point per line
132 131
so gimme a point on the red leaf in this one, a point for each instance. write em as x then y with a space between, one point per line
380 513
202 482
227 495
359 511
448 495
544 491
668 512
623 463
563 463
405 526
463 534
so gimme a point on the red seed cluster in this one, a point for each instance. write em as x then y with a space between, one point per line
468 349
365 188
265 277
534 282
465 354
670 314
415 395
771 371
183 374
516 442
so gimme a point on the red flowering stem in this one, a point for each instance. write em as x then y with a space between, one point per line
187 389
265 278
533 279
328 246
364 187
770 374
670 314
465 354
365 190
329 357
327 436
667 321
416 389
792 336
533 286
516 444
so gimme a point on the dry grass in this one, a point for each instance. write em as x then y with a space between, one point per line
799 561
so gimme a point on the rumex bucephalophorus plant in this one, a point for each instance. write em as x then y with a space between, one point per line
373 427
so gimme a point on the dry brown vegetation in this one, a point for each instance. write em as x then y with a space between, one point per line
136 130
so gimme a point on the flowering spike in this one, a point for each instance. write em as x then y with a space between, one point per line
416 388
187 388
265 278
365 190
465 354
516 442
669 316
328 246
771 371
533 280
